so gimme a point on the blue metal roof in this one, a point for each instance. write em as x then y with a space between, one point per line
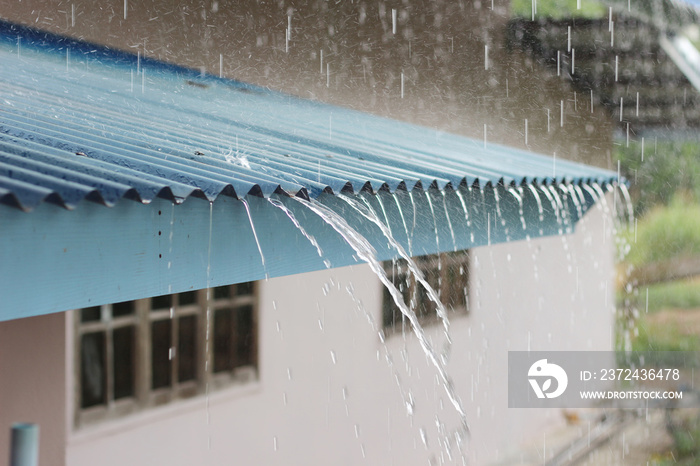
82 122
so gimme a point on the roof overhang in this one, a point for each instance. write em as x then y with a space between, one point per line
86 131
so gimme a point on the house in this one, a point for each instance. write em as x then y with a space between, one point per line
638 63
159 309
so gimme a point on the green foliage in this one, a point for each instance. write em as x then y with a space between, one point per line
666 233
668 167
558 9
663 337
686 443
682 294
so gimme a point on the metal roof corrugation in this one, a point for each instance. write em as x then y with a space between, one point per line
83 122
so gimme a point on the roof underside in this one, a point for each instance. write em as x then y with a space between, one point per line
83 122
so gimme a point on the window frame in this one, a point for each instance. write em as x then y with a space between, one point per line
146 397
415 295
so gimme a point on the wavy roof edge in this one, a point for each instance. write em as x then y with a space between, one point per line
9 198
108 145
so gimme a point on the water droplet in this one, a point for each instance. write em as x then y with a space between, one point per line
410 406
333 357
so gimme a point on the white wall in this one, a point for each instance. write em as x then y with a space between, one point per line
316 411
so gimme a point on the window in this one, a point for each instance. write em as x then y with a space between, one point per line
138 354
446 273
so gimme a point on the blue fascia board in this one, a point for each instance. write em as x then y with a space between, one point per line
53 260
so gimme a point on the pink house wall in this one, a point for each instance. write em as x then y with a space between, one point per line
33 383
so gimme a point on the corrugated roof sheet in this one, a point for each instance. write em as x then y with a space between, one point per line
79 122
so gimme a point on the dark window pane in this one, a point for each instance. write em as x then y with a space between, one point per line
160 354
187 349
245 288
161 302
123 309
90 314
244 350
123 340
222 292
234 338
185 299
389 316
430 266
93 378
398 273
223 344
456 283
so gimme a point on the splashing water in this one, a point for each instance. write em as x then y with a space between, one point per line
237 157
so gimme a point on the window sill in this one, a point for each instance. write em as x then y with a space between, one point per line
177 408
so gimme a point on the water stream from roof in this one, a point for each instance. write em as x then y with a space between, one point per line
628 202
555 208
449 221
409 238
517 193
575 199
499 213
540 209
365 209
439 259
366 253
255 235
277 203
208 355
466 214
558 196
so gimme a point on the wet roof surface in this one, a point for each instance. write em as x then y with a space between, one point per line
81 122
